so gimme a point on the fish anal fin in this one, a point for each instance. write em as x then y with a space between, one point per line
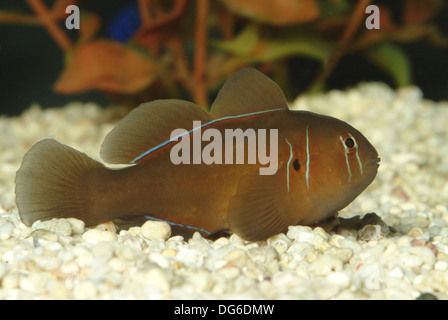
248 90
148 126
262 207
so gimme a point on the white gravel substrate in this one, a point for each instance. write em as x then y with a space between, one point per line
401 252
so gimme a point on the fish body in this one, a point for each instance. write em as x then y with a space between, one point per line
321 165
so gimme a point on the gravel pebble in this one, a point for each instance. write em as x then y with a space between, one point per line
96 235
156 230
60 226
391 242
6 231
371 232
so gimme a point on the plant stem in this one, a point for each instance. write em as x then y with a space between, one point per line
58 8
200 52
176 13
357 17
145 11
144 8
50 24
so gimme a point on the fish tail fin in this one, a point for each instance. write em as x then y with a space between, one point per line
49 182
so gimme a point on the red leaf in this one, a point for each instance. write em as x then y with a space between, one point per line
419 11
108 66
277 12
90 23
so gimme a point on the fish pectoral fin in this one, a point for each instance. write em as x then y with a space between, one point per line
262 207
248 90
148 126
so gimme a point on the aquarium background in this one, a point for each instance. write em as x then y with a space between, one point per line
31 62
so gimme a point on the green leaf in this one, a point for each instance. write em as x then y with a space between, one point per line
241 45
392 60
250 47
270 50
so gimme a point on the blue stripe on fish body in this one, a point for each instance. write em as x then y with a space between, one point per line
288 164
307 175
179 225
357 154
347 162
346 152
144 154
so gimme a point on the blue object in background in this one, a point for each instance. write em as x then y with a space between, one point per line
124 23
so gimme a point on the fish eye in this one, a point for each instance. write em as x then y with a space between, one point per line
349 143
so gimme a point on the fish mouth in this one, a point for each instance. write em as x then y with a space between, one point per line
373 163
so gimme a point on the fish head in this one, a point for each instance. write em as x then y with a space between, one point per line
341 163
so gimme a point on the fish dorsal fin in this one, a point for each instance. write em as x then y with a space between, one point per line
247 91
148 126
262 206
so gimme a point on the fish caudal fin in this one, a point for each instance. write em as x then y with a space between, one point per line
48 183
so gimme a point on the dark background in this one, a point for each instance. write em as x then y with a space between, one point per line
30 62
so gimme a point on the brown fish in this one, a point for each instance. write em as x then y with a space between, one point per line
306 166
